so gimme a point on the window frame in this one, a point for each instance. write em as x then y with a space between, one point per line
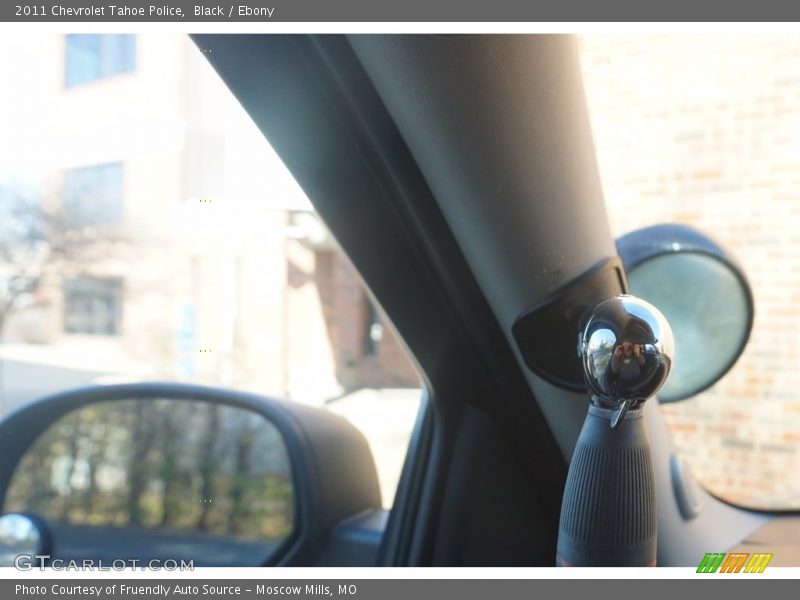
74 202
84 287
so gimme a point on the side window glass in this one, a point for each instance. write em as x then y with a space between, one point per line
150 232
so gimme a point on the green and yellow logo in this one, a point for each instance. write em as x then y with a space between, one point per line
734 562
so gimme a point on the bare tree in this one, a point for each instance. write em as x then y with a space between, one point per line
209 464
39 239
41 242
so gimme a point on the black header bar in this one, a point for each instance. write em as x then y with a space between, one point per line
412 11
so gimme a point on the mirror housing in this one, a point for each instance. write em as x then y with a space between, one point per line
333 473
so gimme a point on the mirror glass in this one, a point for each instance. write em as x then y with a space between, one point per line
19 534
159 479
707 307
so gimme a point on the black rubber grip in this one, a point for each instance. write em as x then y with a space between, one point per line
608 514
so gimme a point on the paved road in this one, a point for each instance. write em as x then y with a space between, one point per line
76 542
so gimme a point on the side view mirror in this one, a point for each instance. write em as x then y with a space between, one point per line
704 295
174 472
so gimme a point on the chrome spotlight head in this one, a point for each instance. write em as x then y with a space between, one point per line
626 350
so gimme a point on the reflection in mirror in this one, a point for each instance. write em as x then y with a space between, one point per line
159 479
708 308
19 534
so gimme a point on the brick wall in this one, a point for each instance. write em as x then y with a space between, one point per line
345 306
705 130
